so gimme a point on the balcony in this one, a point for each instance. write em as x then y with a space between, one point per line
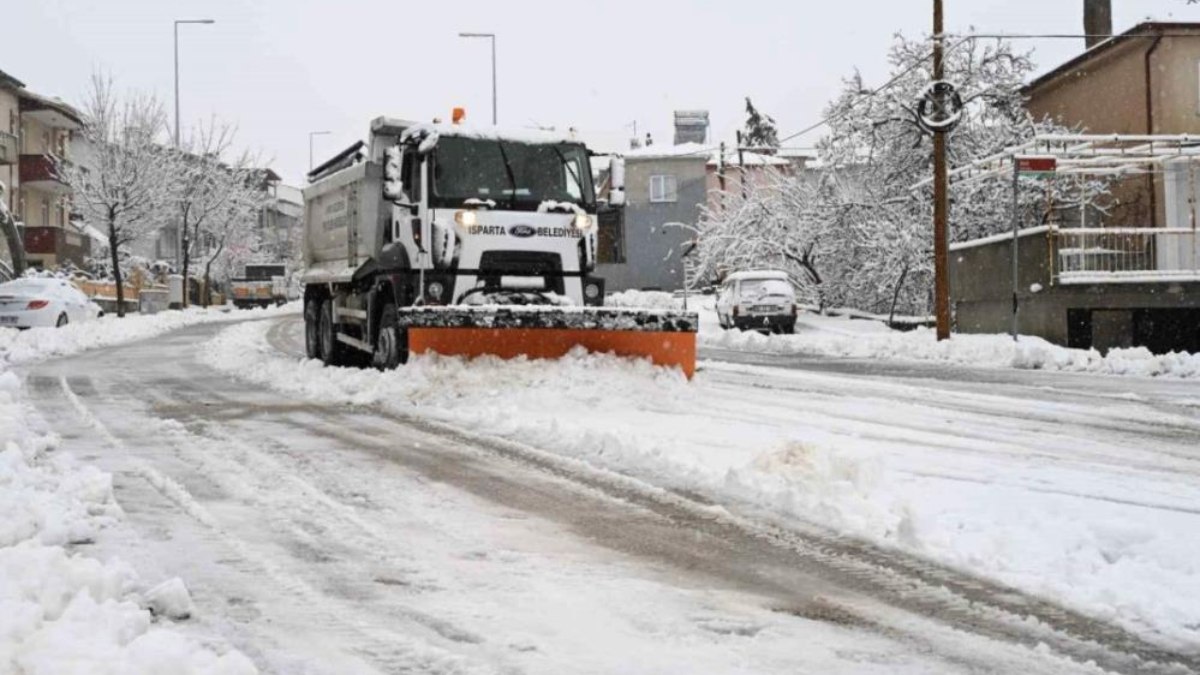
1125 255
8 148
40 172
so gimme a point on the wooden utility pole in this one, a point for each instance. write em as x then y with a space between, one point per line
741 164
941 271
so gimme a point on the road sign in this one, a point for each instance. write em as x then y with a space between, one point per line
1036 166
940 108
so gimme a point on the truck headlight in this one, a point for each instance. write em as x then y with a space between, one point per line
584 222
465 218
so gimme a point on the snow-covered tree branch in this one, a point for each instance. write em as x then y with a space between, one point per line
121 177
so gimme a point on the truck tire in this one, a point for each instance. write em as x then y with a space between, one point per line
333 353
312 329
391 345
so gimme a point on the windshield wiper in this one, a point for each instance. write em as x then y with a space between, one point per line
570 170
512 179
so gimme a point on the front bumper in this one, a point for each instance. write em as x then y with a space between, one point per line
774 323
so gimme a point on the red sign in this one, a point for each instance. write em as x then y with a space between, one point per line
1036 164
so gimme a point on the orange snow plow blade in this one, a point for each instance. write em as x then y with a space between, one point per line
667 338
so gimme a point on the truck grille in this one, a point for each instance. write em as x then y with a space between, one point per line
495 264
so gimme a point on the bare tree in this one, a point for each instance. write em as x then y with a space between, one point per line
232 234
122 178
203 188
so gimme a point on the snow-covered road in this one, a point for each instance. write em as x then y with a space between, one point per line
326 538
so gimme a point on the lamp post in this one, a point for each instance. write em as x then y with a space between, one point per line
177 22
492 37
310 145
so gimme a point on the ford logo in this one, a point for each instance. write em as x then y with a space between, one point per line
522 231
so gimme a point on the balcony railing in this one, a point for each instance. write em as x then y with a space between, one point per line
1125 255
41 171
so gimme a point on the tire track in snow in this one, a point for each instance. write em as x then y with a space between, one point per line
394 652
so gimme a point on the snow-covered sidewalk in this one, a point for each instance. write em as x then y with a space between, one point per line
20 347
1085 500
857 338
62 611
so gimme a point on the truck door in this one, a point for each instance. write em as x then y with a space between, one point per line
411 212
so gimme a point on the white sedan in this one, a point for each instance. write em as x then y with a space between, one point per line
30 303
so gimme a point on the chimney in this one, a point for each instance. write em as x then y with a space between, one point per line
1097 20
691 126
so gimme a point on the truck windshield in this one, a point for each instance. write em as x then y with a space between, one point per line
514 175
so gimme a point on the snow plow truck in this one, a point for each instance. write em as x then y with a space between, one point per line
448 239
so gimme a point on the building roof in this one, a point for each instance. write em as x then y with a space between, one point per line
9 81
750 158
705 153
63 114
1102 48
694 151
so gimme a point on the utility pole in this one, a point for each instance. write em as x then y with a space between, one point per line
941 274
741 165
721 170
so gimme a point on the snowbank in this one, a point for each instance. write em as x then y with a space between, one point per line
18 347
62 611
954 489
643 300
845 338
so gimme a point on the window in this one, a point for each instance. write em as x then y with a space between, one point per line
663 189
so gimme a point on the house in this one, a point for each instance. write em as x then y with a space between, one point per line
1143 81
1126 275
1085 286
35 137
280 222
667 189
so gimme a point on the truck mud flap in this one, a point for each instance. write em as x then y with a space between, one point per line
667 338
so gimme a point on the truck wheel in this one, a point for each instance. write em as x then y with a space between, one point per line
391 346
333 353
312 329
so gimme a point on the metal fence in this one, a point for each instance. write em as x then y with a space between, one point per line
1125 255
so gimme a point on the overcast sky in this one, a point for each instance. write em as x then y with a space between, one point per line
282 68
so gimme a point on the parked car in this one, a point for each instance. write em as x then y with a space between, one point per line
30 303
762 300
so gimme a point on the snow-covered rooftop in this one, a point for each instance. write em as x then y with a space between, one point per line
750 159
705 152
681 151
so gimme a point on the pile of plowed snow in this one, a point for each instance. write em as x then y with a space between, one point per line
18 347
62 611
858 339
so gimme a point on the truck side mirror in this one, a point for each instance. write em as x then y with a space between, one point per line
616 182
393 183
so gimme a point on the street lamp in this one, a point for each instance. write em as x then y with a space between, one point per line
177 22
492 37
310 145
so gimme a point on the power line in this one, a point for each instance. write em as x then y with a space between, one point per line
1070 36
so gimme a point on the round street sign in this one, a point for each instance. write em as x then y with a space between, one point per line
940 107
